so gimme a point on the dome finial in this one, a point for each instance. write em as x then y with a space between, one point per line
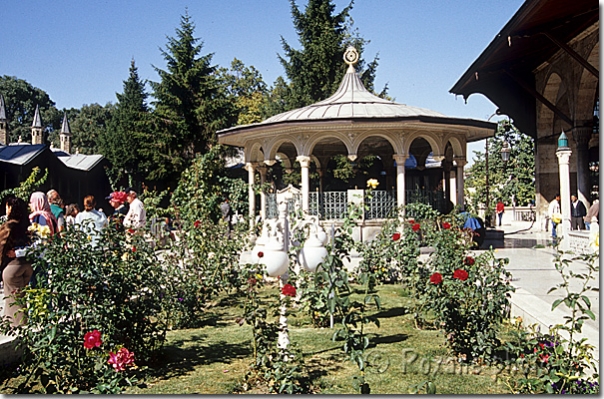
351 56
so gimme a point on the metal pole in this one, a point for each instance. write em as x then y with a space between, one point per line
487 216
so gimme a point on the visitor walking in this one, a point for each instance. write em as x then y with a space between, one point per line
554 214
71 212
41 213
593 212
91 220
225 210
56 207
500 208
16 270
119 201
577 213
136 218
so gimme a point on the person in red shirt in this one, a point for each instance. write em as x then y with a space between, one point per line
500 209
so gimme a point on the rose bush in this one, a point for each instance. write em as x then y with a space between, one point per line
83 290
466 296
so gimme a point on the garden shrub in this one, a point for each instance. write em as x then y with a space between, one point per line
115 288
467 296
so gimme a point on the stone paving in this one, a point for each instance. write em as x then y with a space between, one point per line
534 273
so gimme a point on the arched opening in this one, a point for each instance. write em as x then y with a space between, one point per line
424 176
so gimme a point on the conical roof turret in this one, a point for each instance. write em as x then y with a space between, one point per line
352 100
2 109
65 129
37 119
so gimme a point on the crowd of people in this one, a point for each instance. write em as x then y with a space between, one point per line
47 212
581 218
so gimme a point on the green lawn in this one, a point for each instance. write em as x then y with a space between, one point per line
215 358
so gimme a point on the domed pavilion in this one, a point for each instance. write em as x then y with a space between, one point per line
416 153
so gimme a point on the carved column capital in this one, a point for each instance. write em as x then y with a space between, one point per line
304 161
460 161
399 159
582 134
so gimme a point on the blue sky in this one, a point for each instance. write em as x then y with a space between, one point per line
79 52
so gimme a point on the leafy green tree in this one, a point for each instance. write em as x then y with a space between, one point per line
128 131
21 99
245 87
315 71
88 125
191 103
513 180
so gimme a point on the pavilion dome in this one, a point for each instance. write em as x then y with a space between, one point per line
352 100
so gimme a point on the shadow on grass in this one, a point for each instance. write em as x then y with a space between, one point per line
177 361
388 339
320 367
394 312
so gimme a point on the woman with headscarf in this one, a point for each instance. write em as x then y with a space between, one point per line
14 237
41 213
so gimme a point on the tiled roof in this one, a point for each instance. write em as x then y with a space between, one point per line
20 154
352 100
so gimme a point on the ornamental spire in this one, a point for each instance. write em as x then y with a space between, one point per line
351 57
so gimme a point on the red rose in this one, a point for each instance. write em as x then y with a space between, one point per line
436 278
469 261
396 236
121 359
131 231
415 227
197 224
411 221
446 225
260 254
133 249
288 290
460 274
92 339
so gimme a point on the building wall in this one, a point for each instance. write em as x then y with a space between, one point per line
567 84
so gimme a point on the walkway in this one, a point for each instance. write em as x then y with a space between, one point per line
534 273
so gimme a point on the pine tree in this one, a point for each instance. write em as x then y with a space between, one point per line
316 70
128 133
190 101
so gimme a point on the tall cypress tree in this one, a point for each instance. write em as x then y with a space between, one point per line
190 102
316 70
128 131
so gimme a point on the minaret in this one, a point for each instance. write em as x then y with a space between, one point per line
3 123
65 135
36 128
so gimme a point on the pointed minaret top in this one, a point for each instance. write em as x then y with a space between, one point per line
37 119
65 129
2 109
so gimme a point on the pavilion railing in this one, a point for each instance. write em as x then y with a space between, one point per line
382 204
333 205
329 205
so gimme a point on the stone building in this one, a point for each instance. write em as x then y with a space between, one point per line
72 175
542 70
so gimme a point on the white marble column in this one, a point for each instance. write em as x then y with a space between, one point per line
453 187
400 178
262 169
461 162
563 154
304 172
251 195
